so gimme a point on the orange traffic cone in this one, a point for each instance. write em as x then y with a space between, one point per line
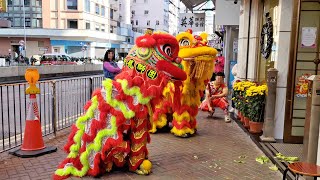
32 145
32 133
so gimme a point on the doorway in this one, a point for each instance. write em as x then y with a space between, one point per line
15 51
306 53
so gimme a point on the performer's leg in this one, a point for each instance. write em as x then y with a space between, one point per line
138 153
223 104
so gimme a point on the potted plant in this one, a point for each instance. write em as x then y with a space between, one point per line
255 96
241 102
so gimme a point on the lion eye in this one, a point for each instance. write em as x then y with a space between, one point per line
184 42
167 49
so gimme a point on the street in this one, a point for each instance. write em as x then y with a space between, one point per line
214 153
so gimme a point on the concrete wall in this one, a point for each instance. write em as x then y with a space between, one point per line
251 66
32 45
227 13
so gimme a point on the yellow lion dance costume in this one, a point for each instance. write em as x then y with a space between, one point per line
181 107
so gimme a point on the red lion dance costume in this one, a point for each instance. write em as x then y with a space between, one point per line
181 103
114 128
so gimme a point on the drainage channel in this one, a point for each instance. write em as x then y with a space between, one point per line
266 148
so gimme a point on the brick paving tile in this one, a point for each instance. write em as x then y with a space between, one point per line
208 155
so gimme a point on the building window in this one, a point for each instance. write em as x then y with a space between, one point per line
136 22
17 22
97 9
72 4
9 2
132 22
87 5
73 24
103 11
27 2
18 3
157 22
38 2
39 22
28 22
111 29
87 25
103 28
36 22
134 1
111 13
148 23
97 27
40 43
146 12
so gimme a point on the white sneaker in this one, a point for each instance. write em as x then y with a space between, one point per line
231 110
227 119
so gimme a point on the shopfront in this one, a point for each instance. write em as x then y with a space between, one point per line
269 37
304 57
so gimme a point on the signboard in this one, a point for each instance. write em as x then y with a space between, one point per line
235 46
194 21
211 43
302 85
215 41
308 37
3 5
43 49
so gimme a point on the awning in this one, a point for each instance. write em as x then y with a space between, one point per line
190 4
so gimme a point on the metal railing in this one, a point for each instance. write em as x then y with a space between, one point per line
60 104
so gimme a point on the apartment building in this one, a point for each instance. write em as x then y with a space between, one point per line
174 8
150 14
80 28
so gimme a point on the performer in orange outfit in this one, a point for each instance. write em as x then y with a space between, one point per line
216 92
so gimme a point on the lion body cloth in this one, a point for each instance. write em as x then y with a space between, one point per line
180 103
114 130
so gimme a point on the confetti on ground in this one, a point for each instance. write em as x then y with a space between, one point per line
284 158
243 157
262 159
239 161
273 168
195 157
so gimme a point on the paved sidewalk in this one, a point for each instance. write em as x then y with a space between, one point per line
208 155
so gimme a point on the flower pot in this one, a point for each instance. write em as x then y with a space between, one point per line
246 122
239 116
242 119
255 127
